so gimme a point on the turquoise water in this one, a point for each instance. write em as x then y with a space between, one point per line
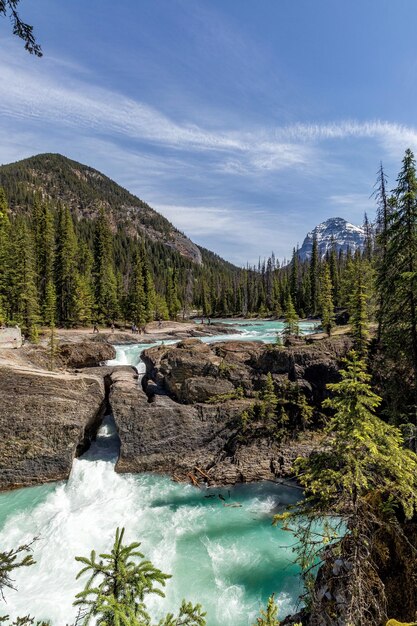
265 331
259 330
228 558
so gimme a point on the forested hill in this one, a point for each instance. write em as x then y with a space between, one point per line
85 190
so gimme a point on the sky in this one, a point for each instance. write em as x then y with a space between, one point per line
244 122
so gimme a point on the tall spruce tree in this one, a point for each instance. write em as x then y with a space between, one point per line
326 300
44 237
137 297
314 277
148 286
358 309
382 218
66 271
172 298
397 277
291 325
105 285
4 256
24 303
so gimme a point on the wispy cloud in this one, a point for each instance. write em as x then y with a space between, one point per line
42 96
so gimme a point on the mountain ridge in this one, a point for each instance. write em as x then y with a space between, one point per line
84 189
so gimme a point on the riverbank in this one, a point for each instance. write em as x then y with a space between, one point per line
167 424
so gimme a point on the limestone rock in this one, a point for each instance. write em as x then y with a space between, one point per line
44 418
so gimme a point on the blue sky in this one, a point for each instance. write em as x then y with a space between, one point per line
245 122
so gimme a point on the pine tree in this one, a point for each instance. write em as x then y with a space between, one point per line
172 299
137 298
24 304
118 585
314 277
44 238
291 326
269 400
269 617
362 453
294 278
148 287
326 300
84 300
66 268
358 310
161 308
369 238
4 256
105 285
398 275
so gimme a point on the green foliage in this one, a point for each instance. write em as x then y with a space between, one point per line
119 582
326 300
291 326
269 617
8 8
10 561
277 413
359 309
236 394
397 280
362 454
22 293
103 272
314 278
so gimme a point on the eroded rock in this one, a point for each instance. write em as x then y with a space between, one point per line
44 418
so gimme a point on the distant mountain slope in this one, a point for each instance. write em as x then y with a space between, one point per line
84 190
334 232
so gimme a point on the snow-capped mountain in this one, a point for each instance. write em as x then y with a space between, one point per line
333 232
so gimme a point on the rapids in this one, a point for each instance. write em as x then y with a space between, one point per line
229 559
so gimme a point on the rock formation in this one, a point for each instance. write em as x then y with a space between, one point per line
169 426
44 419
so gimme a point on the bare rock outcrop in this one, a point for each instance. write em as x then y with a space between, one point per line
200 441
177 369
44 419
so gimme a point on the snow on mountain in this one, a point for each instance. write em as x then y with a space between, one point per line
333 232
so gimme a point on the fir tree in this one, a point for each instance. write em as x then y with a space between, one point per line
66 268
314 277
295 277
118 585
137 298
397 275
105 285
269 617
4 255
358 310
291 325
23 292
44 237
172 299
326 300
148 287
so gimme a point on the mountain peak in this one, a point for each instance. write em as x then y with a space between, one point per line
335 232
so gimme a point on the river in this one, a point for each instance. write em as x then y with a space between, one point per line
228 558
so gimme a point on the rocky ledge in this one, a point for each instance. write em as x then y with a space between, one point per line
44 419
170 424
48 418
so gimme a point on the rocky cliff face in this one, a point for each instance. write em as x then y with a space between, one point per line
333 233
169 425
44 418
